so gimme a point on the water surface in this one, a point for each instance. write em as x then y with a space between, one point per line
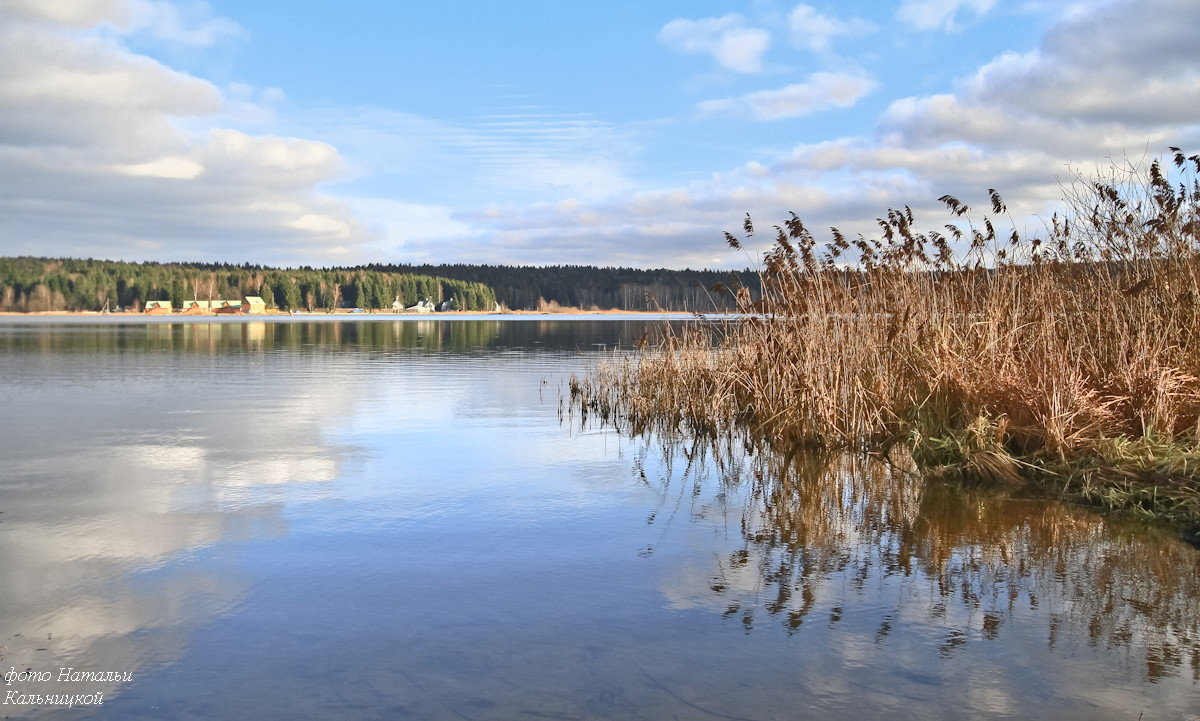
393 518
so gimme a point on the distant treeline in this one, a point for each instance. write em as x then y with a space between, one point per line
43 284
584 286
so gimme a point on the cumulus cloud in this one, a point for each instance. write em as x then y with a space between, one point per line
1127 62
731 43
1124 77
811 30
940 14
77 14
1103 82
96 162
92 145
822 91
186 24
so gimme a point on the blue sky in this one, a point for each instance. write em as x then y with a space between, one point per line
556 132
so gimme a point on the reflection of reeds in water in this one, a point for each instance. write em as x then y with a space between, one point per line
970 561
1071 357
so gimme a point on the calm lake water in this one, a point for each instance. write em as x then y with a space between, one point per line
396 519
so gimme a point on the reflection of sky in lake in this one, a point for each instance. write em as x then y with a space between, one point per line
388 520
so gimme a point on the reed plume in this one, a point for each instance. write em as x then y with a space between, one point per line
1069 356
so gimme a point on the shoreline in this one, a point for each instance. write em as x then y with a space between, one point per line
82 317
378 311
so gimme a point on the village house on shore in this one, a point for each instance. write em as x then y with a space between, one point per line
252 305
255 305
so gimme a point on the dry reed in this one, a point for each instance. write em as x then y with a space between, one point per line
1071 357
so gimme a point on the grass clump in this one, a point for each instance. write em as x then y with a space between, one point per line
1071 356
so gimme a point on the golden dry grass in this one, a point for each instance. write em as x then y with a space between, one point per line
1072 356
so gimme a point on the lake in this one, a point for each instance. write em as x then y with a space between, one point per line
400 518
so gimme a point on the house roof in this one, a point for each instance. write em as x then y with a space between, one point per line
255 300
196 304
158 304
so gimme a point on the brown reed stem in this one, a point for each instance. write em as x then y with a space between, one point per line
1072 356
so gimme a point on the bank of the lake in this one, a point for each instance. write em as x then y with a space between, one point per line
1069 359
85 318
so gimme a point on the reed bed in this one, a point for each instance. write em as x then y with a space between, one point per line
1068 357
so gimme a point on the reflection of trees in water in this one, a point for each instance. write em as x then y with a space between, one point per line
815 530
329 336
257 336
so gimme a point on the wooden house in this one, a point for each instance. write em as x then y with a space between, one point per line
158 307
255 305
196 307
228 307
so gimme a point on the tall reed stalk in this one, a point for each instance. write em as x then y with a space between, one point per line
1071 356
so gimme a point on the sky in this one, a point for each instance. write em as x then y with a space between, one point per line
542 131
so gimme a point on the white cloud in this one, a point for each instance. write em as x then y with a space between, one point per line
93 150
940 14
410 227
1112 80
1127 62
822 91
96 162
498 157
732 44
73 13
185 23
814 31
190 23
171 166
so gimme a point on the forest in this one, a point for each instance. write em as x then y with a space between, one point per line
48 284
30 284
584 286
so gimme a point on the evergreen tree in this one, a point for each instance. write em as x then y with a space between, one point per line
292 299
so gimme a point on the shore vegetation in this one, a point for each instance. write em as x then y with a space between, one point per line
31 285
1068 357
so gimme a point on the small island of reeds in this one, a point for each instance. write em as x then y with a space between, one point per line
1069 358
